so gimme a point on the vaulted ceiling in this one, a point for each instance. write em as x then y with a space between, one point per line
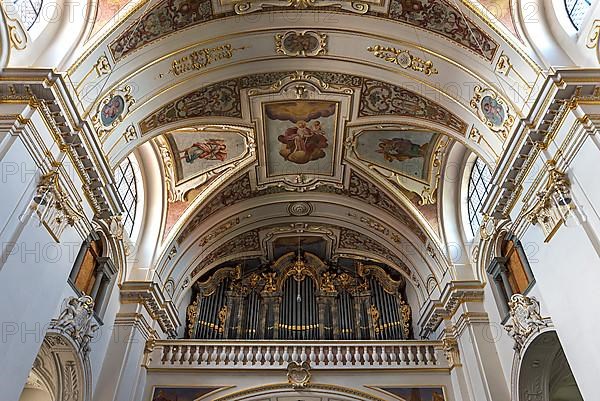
272 120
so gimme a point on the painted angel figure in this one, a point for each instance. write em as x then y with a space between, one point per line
212 149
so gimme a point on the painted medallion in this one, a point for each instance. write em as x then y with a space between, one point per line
492 111
112 110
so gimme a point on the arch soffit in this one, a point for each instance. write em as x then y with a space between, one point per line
62 369
249 226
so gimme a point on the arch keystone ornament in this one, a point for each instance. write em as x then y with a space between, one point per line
301 43
298 374
526 319
75 320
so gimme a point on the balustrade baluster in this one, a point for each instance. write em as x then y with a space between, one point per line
375 356
268 356
303 355
249 356
259 356
185 355
176 354
384 357
411 356
329 356
277 356
204 360
231 355
195 355
321 356
365 355
356 356
348 356
428 356
286 355
312 357
213 356
338 356
222 356
240 356
167 353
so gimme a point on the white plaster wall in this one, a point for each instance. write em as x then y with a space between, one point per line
567 274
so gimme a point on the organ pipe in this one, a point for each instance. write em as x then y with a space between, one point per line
298 304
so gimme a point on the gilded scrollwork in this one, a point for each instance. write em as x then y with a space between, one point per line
554 202
202 58
390 285
403 58
54 207
359 7
593 40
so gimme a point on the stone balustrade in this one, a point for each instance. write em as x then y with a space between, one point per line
274 354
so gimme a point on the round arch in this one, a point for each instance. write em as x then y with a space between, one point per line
543 371
59 372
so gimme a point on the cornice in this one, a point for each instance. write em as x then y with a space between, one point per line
454 294
46 91
150 295
561 93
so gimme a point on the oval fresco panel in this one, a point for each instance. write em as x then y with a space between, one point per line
406 152
112 110
197 152
492 110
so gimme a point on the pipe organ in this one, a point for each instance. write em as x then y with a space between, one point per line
300 298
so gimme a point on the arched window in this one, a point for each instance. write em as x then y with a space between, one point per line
28 11
479 181
127 188
576 10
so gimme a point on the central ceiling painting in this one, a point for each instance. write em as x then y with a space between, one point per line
300 135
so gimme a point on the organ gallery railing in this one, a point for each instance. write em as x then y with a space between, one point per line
199 354
300 299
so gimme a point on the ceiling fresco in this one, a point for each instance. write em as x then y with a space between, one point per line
438 16
197 151
376 98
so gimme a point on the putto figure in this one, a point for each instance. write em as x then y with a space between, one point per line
303 142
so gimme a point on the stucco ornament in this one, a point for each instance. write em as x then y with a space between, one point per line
75 320
525 319
298 374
